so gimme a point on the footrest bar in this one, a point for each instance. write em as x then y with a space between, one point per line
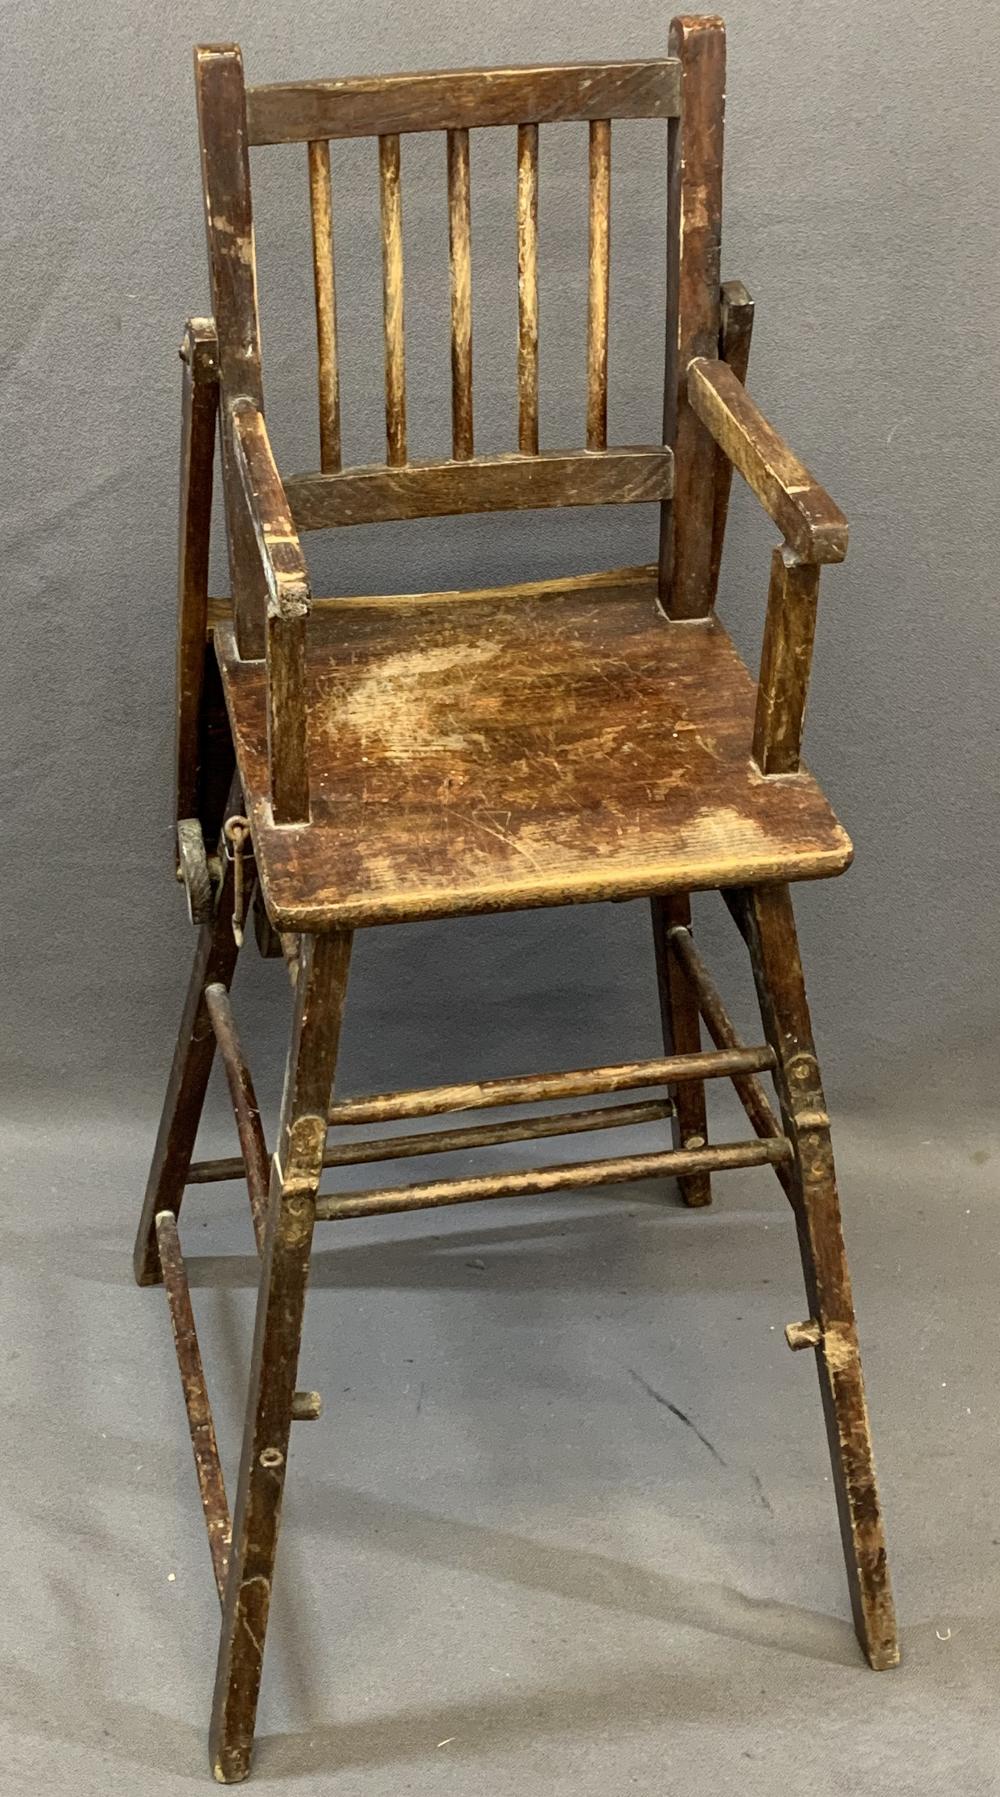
531 1088
446 1141
334 1207
204 1445
721 1028
247 1111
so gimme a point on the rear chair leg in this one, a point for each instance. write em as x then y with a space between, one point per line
767 922
681 1035
214 963
295 1176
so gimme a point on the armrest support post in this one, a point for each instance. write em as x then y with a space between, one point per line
288 604
785 663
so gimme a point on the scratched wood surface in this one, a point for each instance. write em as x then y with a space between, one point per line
502 751
453 99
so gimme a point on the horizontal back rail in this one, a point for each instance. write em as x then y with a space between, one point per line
454 99
379 495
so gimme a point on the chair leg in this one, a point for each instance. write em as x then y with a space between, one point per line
295 1175
214 962
767 922
681 1035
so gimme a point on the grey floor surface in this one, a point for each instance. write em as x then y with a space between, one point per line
507 1566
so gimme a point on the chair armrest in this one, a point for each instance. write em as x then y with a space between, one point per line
270 515
813 527
288 603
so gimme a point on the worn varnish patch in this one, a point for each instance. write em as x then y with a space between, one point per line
520 749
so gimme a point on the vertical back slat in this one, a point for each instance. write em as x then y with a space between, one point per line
693 309
392 298
599 284
460 253
321 208
527 288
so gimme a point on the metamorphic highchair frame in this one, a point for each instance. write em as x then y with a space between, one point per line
250 743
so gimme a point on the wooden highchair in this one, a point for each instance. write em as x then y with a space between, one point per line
345 763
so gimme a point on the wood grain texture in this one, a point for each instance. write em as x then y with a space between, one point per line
452 1141
735 332
455 99
391 214
483 484
531 1181
681 1029
324 287
215 959
201 1423
598 283
199 411
232 264
785 662
749 1089
527 289
460 259
508 751
295 1174
694 244
246 1110
537 1088
767 921
812 525
287 584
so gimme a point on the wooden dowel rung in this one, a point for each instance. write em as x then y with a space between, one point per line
447 1141
321 207
245 1106
460 255
199 1411
527 289
531 1088
536 1180
722 1030
391 208
598 284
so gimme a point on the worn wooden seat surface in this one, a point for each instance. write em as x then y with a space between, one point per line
520 747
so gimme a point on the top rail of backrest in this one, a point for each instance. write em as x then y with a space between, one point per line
455 99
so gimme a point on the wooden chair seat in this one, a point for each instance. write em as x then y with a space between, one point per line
525 746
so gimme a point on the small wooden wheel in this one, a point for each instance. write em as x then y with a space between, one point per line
192 869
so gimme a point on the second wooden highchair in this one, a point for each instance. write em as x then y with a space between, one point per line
374 760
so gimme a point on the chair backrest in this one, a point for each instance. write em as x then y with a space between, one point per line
685 88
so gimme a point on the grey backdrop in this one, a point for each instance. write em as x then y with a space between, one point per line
861 210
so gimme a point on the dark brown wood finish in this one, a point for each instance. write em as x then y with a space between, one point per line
518 749
767 922
201 1423
295 1175
200 405
214 962
225 172
681 1026
785 661
255 1160
453 1141
483 484
813 527
693 309
324 289
454 99
577 1176
414 755
736 330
